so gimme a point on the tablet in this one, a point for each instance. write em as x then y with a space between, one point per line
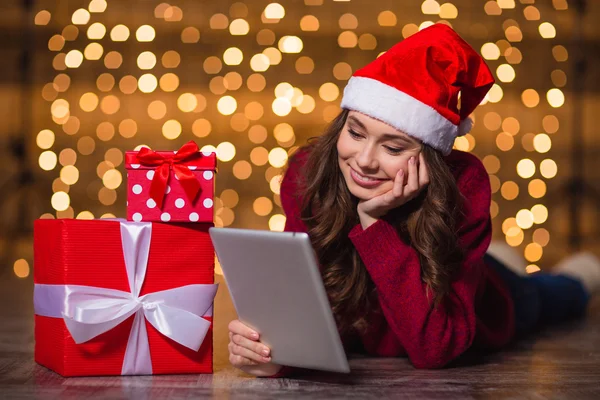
276 287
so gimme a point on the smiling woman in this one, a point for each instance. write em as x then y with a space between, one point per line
400 222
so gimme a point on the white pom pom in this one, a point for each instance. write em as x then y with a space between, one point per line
465 126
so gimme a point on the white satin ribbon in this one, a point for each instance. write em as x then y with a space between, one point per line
90 311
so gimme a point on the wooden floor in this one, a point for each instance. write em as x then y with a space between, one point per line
562 363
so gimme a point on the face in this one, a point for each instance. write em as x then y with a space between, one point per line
370 154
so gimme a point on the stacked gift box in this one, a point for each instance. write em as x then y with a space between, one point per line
135 296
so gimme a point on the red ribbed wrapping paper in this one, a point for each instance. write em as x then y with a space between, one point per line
89 252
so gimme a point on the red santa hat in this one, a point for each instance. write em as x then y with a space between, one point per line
415 86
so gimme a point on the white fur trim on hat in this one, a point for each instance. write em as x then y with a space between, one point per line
403 112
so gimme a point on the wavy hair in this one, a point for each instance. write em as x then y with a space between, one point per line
427 223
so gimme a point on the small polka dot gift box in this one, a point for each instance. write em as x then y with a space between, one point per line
170 186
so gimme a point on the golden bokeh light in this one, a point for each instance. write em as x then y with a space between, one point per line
225 151
96 31
73 59
509 190
495 94
540 213
145 33
526 168
171 129
112 179
259 156
187 102
69 174
147 83
190 35
262 206
278 157
541 236
233 56
128 128
119 33
257 134
45 139
113 60
533 252
560 53
80 17
277 222
42 17
491 164
239 27
542 143
219 21
86 145
309 23
169 82
537 188
242 170
430 7
146 60
21 268
555 97
548 168
47 160
387 18
60 201
274 11
547 30
201 127
227 105
448 11
524 219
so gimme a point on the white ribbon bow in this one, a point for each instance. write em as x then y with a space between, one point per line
90 311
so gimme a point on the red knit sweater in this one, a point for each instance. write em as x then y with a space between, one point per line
479 309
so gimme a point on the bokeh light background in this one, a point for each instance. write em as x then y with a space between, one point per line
254 80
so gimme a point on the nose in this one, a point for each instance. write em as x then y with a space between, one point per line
366 158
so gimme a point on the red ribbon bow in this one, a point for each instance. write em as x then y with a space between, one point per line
186 177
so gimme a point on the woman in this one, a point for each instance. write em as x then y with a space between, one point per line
400 222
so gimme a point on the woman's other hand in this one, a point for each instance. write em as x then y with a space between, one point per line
369 211
247 353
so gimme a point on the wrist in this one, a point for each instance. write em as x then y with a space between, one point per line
366 220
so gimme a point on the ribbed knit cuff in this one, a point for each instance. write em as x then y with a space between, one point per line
377 243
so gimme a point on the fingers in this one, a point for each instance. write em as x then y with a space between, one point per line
237 327
256 347
239 361
423 171
398 187
244 347
412 185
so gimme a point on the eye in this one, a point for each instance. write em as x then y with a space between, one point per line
393 150
354 134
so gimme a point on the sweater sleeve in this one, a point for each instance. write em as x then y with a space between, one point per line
432 337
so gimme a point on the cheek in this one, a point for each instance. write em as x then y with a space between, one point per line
343 147
393 166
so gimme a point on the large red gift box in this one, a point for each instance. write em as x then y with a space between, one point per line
90 253
175 186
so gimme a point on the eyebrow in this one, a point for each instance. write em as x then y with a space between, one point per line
385 135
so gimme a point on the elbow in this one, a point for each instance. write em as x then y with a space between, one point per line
438 354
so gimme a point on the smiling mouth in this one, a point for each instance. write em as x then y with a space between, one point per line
364 180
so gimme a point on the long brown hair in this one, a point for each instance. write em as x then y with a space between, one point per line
427 223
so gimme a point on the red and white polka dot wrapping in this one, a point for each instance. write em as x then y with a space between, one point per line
177 207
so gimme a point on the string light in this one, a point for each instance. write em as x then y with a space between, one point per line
225 99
